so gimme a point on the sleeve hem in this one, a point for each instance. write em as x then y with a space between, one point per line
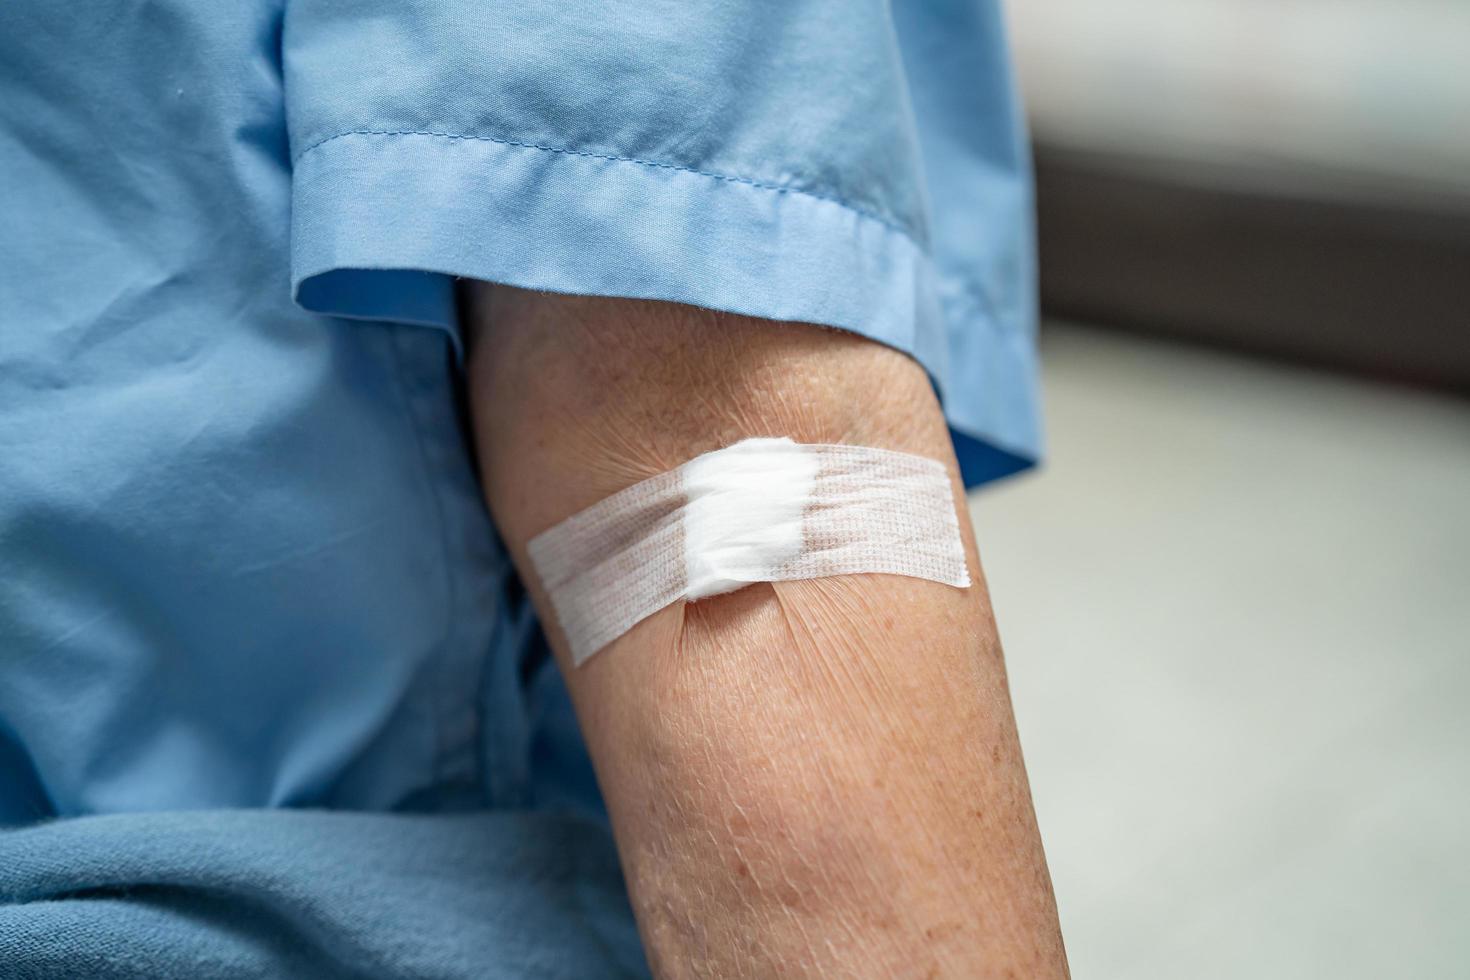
383 221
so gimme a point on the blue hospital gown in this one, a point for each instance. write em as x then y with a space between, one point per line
245 572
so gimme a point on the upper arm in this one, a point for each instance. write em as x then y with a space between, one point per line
832 756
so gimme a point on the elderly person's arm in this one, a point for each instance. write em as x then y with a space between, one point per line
812 778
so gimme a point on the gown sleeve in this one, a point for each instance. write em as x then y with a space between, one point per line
853 163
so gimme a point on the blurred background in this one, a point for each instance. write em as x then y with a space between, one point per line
1236 600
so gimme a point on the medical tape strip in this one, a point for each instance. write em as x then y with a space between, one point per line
762 510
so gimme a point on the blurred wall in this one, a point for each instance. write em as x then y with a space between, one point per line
1289 177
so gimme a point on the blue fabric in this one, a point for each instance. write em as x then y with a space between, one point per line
243 558
774 159
275 894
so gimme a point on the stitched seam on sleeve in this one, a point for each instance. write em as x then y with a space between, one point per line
656 164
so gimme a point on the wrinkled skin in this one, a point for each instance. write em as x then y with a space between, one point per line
815 778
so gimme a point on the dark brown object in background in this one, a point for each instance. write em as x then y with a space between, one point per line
1314 271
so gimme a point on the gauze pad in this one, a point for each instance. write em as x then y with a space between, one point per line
762 510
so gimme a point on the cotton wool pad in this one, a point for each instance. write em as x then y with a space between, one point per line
762 510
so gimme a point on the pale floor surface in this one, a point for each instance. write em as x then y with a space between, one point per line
1236 610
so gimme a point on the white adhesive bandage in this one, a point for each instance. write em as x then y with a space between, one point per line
762 510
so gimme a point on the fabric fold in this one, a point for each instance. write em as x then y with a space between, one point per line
383 222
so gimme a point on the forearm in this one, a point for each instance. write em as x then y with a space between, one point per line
815 777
